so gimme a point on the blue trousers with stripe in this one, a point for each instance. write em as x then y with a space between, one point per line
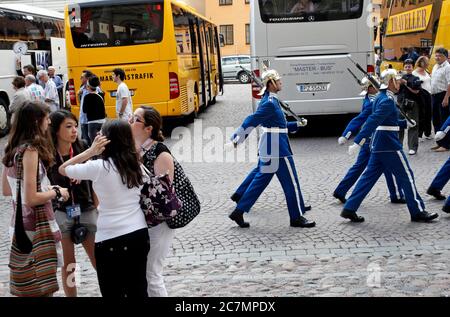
441 179
358 168
260 177
397 164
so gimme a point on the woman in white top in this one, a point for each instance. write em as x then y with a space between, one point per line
425 109
121 242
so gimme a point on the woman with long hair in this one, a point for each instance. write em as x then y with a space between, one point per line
146 126
425 110
121 241
30 134
64 131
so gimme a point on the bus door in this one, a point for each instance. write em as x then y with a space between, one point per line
219 59
202 88
207 61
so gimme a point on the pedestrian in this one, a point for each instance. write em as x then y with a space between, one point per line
412 54
94 108
408 99
36 91
124 104
121 241
82 92
386 153
29 135
64 131
353 174
440 93
50 91
275 157
21 96
146 127
28 70
58 82
424 97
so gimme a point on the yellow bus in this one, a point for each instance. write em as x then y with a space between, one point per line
423 25
170 53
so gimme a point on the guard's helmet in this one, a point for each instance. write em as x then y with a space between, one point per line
387 75
366 83
268 75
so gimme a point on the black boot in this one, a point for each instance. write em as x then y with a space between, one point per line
436 193
238 217
424 216
341 198
348 214
398 200
307 208
235 197
303 223
446 209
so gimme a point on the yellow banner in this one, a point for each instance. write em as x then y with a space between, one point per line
410 21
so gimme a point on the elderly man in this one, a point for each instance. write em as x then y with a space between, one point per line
35 90
20 96
386 153
58 82
50 91
275 157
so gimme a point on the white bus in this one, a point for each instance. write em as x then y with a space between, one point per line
311 44
28 35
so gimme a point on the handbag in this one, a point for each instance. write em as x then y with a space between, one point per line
158 200
33 264
184 190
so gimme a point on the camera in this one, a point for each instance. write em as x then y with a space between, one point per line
78 233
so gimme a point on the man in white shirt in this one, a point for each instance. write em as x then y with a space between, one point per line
124 105
440 92
50 91
35 90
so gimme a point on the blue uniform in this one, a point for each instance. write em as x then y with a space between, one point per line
381 128
442 177
363 158
275 157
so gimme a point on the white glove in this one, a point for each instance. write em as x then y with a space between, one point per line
342 140
440 135
411 124
230 146
302 123
353 149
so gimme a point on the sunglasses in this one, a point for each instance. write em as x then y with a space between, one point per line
135 118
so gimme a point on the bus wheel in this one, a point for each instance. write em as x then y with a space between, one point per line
244 78
4 118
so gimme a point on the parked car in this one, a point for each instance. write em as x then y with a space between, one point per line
231 68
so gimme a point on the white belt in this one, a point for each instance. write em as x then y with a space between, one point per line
388 128
275 130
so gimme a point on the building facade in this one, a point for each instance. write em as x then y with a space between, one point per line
233 19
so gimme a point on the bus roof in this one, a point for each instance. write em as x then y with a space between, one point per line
179 3
23 8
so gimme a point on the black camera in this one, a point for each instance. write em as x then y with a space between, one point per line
79 232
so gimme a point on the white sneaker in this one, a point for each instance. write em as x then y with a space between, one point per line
411 152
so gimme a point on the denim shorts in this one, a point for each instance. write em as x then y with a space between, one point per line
87 218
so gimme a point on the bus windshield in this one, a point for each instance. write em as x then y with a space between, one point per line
119 25
285 11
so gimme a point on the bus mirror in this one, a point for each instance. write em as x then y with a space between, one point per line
221 40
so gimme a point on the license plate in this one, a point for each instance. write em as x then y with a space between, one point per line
313 87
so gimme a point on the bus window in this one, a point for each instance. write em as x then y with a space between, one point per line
106 26
282 11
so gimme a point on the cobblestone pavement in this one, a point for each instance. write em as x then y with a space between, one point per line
387 255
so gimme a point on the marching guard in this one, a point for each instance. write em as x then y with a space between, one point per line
442 177
396 194
386 153
275 156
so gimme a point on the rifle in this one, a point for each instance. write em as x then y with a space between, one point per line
287 109
376 84
354 76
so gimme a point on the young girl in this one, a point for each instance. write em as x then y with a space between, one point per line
121 242
64 131
30 134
